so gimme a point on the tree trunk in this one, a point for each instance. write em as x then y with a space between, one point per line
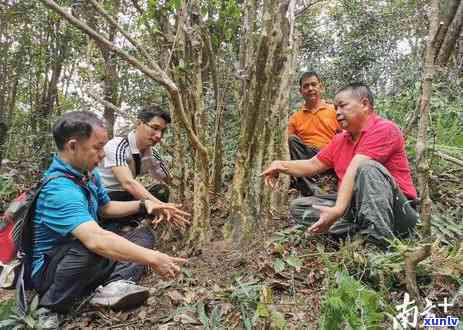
437 42
178 171
217 162
279 197
262 86
111 77
200 229
49 96
452 35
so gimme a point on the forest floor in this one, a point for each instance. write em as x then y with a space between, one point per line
286 280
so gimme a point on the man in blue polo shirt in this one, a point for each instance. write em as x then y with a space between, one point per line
72 253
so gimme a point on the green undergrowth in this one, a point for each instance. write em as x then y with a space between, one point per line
12 320
350 304
6 309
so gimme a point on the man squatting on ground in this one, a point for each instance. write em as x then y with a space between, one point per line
311 128
128 157
72 253
376 190
133 155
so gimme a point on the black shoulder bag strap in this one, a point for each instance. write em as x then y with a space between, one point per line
137 160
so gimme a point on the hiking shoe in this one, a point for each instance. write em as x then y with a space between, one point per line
47 319
120 294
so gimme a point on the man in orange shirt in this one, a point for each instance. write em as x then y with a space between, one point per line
311 128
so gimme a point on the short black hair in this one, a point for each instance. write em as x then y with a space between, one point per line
75 125
147 113
359 89
308 74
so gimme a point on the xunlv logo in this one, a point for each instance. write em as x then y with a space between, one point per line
448 321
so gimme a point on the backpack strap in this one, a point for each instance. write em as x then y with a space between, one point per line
137 160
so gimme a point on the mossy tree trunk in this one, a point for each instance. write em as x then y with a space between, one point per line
265 57
111 76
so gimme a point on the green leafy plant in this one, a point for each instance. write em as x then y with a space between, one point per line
291 235
211 321
352 304
246 297
8 190
6 308
15 321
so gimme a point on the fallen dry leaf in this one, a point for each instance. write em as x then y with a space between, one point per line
176 297
186 318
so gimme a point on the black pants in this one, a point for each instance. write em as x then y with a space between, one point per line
160 191
72 271
308 186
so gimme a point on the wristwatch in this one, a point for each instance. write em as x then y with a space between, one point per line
142 207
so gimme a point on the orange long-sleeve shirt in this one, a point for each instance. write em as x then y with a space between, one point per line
314 128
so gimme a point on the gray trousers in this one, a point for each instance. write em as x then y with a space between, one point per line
309 186
378 209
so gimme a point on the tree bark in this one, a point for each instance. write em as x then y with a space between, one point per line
263 71
412 258
220 88
200 229
49 96
452 34
179 173
110 78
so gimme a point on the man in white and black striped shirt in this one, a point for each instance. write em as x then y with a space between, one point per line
134 155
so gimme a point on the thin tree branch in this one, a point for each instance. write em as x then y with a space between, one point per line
115 24
452 6
301 11
180 24
104 102
137 7
449 158
452 35
155 73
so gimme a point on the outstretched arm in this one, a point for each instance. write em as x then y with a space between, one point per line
131 184
111 245
297 168
170 211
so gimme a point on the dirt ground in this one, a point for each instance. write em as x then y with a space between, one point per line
223 286
209 283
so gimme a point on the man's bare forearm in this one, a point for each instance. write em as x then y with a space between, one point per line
115 209
304 167
137 190
346 188
113 246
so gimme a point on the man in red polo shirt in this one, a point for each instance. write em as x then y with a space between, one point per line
375 189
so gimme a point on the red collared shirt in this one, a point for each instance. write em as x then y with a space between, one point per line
382 141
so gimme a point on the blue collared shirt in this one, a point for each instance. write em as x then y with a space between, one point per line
62 206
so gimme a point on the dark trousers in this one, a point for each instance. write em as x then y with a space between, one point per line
378 210
160 191
308 186
72 271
